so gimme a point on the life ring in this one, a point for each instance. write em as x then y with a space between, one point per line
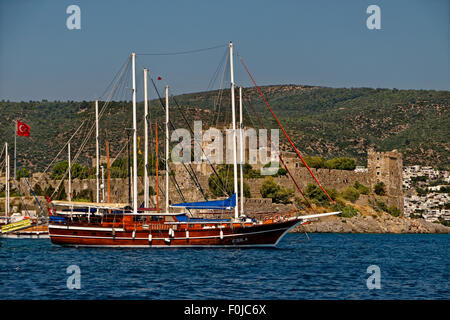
277 218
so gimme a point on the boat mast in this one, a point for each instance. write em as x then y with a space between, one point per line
135 205
146 187
167 148
233 112
109 171
157 165
69 197
6 179
241 149
97 151
103 183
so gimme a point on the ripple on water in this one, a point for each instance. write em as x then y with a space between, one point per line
329 266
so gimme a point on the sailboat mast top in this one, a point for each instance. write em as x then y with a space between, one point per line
97 173
241 150
233 112
135 194
69 195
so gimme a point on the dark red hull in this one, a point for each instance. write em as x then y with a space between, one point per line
238 235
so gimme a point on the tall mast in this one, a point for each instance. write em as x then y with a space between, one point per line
97 151
6 179
109 171
70 176
135 205
146 186
233 112
157 165
167 148
103 184
241 149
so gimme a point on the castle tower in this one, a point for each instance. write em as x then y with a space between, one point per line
387 167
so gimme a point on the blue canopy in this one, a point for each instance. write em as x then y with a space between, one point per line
226 204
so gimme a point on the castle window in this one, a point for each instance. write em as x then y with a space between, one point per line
378 173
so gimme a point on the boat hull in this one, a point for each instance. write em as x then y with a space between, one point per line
258 235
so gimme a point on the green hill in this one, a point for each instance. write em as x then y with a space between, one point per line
329 122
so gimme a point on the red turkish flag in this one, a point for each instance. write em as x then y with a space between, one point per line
159 78
23 129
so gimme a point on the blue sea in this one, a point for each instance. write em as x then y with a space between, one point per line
323 266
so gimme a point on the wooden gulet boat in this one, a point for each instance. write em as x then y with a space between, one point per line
126 225
115 225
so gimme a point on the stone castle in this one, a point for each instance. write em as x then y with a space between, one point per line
383 167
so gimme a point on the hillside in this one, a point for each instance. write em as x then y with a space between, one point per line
322 121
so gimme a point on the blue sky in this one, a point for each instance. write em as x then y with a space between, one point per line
322 42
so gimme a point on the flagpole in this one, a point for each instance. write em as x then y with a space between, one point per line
15 159
6 180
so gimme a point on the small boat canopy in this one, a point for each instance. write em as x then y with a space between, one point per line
91 204
225 204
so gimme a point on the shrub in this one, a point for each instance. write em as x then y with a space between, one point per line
349 211
351 194
394 211
361 188
271 189
316 194
22 173
379 206
379 189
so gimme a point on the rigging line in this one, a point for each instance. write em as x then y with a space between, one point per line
20 196
31 189
224 189
63 148
119 71
279 156
181 52
218 101
216 73
173 127
285 133
197 183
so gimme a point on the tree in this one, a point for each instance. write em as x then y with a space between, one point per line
343 163
22 173
316 194
361 188
379 189
271 189
351 194
394 211
222 184
59 170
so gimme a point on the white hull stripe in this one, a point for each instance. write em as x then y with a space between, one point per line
181 238
54 226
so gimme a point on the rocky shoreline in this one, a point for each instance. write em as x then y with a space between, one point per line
381 223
